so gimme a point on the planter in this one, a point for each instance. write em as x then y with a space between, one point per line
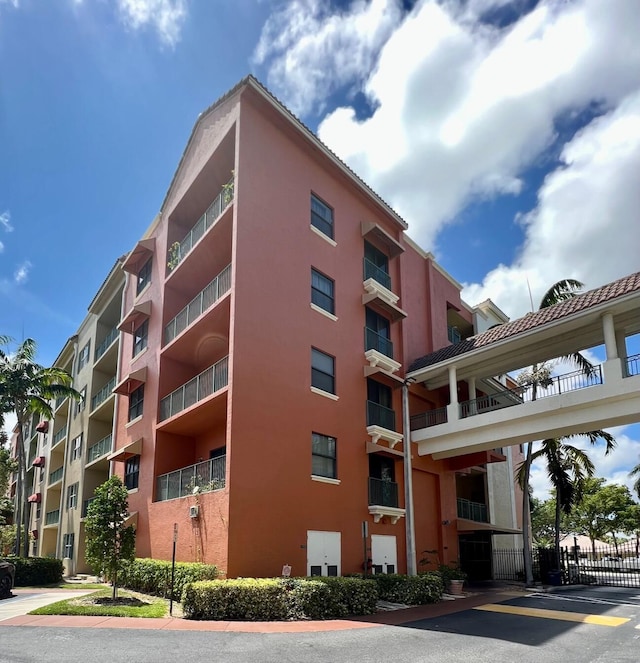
455 587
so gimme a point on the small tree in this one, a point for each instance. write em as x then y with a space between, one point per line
109 540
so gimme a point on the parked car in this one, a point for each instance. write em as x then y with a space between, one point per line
7 576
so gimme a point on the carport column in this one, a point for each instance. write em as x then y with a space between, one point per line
472 396
408 484
612 369
452 409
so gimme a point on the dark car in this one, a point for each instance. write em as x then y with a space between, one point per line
7 575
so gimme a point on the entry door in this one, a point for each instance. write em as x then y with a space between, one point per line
323 553
384 553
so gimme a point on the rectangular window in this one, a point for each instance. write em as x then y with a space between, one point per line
140 337
322 291
323 456
323 371
136 401
83 357
72 496
67 545
76 447
80 403
321 216
132 472
144 277
378 333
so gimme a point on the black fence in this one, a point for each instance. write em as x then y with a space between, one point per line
608 565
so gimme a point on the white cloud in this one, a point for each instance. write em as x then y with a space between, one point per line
13 3
1 247
312 52
5 221
164 16
21 274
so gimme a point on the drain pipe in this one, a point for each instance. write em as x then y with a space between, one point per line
408 482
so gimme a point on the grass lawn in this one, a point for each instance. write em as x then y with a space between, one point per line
128 604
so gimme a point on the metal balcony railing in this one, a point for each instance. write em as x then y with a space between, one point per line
59 436
206 383
499 401
383 493
204 300
56 475
379 415
52 517
103 394
208 475
59 401
633 365
376 273
453 335
476 511
179 251
428 419
99 449
106 343
375 341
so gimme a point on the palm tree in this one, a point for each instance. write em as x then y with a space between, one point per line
539 375
27 388
635 472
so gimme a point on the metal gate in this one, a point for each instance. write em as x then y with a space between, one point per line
617 566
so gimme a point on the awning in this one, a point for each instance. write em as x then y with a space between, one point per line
136 316
42 427
126 452
370 229
464 525
36 498
38 461
139 255
131 382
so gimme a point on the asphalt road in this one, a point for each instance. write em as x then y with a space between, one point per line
548 628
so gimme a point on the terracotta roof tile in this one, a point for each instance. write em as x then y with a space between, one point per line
580 302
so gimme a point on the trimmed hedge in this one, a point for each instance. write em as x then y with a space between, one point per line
276 599
153 576
410 590
34 571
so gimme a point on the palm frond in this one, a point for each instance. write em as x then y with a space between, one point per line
560 292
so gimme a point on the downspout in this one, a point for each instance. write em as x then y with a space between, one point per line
408 483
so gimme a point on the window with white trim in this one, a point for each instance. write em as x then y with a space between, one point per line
323 369
72 496
322 288
76 448
321 216
323 456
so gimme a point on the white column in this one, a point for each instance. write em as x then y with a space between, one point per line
408 486
472 395
609 336
453 411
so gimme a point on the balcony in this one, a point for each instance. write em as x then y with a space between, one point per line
381 424
208 476
205 384
378 294
375 341
59 436
428 419
179 250
633 365
476 511
59 401
99 449
56 476
453 335
376 273
85 506
52 517
103 394
106 344
383 493
204 300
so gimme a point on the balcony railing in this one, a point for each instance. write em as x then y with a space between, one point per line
427 419
383 493
99 449
52 517
55 476
59 436
376 273
499 401
379 415
59 401
208 382
375 341
453 335
178 252
85 506
633 365
103 394
106 343
475 511
199 304
208 475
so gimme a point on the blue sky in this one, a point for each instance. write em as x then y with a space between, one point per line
507 133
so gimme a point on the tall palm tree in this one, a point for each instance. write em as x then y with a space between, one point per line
539 375
28 388
635 472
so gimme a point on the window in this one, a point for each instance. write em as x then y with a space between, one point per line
80 403
72 496
132 472
376 265
140 338
380 405
321 216
323 456
76 447
67 545
136 401
83 357
323 371
322 291
144 277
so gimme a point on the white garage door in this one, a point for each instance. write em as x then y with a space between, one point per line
384 553
323 553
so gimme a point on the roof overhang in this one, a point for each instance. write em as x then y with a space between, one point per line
141 252
464 525
126 452
135 317
131 382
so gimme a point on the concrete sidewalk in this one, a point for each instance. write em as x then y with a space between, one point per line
13 612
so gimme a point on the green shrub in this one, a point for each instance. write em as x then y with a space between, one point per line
36 571
354 596
153 576
410 590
